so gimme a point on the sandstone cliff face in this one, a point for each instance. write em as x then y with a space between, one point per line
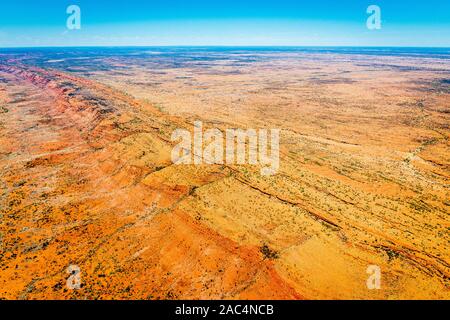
76 165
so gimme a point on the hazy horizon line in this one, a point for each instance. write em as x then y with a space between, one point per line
226 46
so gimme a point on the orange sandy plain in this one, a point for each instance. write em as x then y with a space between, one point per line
87 179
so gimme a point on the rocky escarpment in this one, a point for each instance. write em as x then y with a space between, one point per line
76 163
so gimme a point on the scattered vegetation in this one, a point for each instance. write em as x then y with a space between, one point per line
268 253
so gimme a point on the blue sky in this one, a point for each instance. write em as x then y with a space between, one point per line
225 22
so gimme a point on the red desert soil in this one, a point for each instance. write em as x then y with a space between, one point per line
87 180
74 174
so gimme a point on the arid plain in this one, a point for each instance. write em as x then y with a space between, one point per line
87 177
